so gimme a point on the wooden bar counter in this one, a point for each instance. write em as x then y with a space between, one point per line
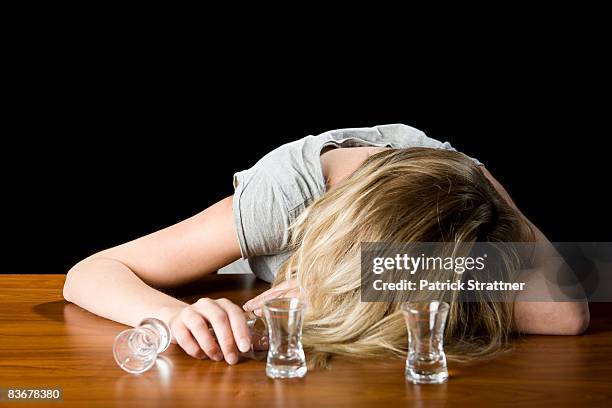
46 342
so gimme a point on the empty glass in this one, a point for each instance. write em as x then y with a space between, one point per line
136 349
425 322
285 317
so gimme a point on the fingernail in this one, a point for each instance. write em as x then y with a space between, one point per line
244 345
232 358
246 306
218 357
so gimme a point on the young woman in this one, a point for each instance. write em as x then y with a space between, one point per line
298 217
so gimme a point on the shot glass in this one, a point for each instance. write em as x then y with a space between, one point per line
425 322
285 318
135 350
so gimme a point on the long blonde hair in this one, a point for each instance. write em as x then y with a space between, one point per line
397 195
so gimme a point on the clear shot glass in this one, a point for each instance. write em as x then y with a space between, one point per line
425 322
285 318
136 349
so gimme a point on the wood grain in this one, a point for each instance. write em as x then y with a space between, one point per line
47 342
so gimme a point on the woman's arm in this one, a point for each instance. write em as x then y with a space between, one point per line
117 283
568 318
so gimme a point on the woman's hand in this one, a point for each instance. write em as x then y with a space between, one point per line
190 328
285 289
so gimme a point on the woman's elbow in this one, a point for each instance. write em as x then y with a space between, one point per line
68 290
572 319
555 318
578 320
70 286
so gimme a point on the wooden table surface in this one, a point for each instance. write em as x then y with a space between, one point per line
47 342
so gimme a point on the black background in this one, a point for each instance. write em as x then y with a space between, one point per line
106 143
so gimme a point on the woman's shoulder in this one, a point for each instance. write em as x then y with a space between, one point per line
338 164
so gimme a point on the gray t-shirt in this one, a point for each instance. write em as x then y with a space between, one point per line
270 195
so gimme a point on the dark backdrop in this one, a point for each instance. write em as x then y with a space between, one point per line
105 149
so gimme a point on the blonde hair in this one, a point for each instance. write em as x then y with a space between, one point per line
397 195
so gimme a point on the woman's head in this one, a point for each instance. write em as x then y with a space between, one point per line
396 196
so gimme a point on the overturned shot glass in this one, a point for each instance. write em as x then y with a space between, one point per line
135 350
285 318
425 322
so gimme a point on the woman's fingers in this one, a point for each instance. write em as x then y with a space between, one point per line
295 292
200 331
214 328
185 339
238 324
218 319
271 293
287 284
257 303
257 299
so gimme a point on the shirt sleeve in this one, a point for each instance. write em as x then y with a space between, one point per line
259 212
270 195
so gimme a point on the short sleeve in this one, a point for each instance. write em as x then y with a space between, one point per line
269 196
259 212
